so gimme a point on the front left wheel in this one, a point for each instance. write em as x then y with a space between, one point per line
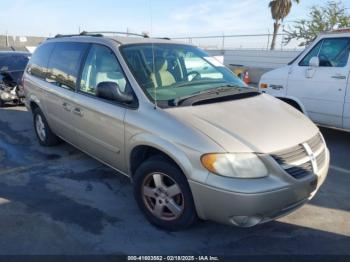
163 194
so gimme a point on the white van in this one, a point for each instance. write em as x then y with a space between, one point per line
317 81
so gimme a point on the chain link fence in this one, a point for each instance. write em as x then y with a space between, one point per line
232 42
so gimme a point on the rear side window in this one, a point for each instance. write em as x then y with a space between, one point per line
65 63
37 65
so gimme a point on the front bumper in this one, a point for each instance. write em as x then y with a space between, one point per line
248 202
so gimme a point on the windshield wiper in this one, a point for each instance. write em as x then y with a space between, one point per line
217 90
192 83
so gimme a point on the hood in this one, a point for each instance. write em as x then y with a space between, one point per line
276 74
276 80
261 124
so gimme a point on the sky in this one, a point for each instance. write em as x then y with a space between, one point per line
159 17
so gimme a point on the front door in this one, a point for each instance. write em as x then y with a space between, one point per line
322 88
100 122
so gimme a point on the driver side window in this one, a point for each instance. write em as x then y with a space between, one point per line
332 52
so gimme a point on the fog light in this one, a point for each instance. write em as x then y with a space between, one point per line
245 221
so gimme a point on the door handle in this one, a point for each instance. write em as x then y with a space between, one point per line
340 77
67 107
310 72
77 111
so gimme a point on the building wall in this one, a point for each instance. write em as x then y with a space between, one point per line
19 43
257 61
256 58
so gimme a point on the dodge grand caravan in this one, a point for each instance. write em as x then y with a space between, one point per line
195 143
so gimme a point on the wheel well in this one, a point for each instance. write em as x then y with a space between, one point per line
292 103
33 106
141 153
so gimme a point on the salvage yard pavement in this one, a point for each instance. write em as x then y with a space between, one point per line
60 201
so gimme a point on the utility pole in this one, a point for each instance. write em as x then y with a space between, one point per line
223 42
7 38
282 40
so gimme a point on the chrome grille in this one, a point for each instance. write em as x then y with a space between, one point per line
303 159
291 155
321 159
316 143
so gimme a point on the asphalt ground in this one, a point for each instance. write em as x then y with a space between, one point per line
60 201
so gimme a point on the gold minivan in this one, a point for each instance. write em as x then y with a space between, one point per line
194 139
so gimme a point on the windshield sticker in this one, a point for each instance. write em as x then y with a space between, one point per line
214 61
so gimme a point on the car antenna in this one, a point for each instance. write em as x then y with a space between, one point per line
153 57
154 72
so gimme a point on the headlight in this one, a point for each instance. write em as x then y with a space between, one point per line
245 165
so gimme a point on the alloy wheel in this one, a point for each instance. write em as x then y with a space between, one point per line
163 196
40 127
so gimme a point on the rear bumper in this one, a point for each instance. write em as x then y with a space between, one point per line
248 208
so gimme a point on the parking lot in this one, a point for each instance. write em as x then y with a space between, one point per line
60 201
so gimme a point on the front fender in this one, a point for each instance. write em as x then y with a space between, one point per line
170 149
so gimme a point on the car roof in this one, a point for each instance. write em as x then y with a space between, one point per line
123 40
120 40
338 32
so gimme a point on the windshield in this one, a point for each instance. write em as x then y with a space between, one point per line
173 71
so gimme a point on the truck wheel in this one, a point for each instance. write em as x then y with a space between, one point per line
42 130
162 192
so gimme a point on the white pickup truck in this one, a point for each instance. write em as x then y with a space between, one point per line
317 81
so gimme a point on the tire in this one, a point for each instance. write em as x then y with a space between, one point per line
42 130
181 212
2 103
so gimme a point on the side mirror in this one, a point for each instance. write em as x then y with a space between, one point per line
111 91
314 62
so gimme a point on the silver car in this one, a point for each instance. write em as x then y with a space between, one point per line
195 140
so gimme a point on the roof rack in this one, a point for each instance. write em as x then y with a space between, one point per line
114 33
164 38
81 34
101 34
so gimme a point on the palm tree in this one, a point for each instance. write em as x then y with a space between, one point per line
279 10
